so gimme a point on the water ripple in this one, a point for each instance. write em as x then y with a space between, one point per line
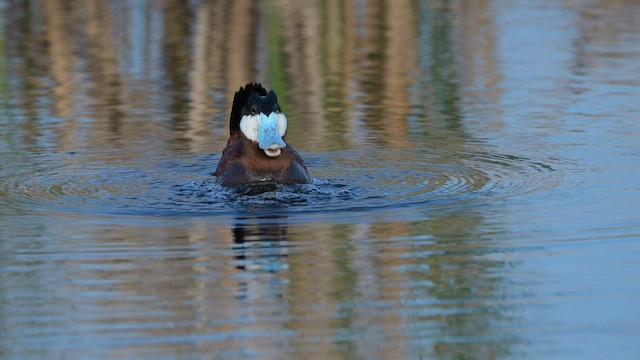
344 182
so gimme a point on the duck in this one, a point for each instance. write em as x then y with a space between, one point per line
257 152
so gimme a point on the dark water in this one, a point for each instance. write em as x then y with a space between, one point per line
476 186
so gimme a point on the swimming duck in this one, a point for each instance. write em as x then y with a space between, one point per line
256 152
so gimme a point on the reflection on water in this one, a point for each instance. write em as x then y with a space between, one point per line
260 245
475 183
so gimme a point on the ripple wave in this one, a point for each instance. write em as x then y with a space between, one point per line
344 182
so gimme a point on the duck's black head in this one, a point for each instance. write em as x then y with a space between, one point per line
257 115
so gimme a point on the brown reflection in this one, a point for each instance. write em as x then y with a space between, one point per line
23 41
400 60
478 59
106 87
298 37
62 66
238 50
199 112
370 71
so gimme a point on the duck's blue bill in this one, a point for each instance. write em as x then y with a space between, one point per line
268 134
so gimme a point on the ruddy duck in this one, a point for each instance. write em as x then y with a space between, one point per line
256 152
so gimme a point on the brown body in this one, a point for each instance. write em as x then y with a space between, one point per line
243 162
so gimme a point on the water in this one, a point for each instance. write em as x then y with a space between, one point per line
475 189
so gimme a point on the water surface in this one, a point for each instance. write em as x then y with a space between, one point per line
475 189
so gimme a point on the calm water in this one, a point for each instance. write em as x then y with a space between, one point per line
476 186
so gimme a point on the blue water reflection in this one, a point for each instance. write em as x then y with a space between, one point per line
475 180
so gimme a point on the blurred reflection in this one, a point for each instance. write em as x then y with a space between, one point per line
158 77
62 67
349 74
177 22
140 60
260 243
117 81
346 72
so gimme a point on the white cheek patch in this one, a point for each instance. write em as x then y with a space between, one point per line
249 126
282 123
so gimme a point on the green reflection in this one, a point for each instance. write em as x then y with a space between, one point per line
443 63
4 80
178 22
333 56
277 64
